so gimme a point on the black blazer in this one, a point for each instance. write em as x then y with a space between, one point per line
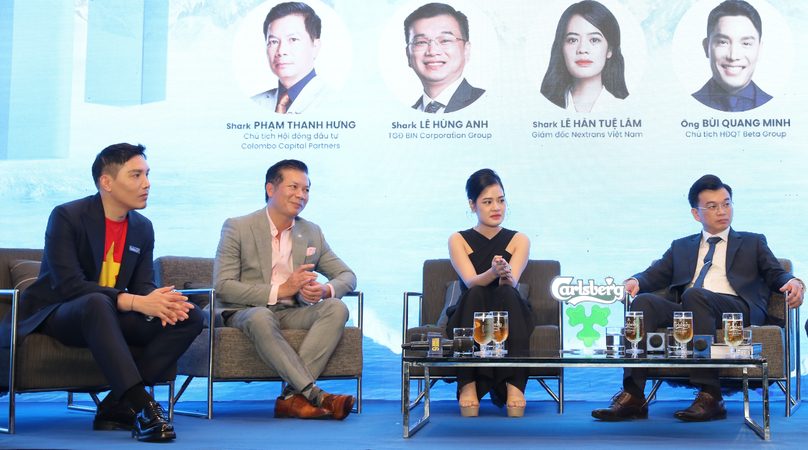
71 265
752 270
464 96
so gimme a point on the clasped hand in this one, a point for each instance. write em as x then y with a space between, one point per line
304 282
164 303
502 269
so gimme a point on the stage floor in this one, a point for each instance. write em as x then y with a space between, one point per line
250 425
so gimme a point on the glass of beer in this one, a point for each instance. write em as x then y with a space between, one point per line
635 330
733 331
500 326
483 331
683 330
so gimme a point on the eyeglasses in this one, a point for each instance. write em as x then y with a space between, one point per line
422 43
714 208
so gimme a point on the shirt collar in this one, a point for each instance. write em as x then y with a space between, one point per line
273 229
444 97
724 235
294 91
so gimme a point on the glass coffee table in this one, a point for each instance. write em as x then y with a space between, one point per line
559 360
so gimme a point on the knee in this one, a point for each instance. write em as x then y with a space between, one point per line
507 292
334 307
643 302
195 321
694 299
261 321
98 307
475 294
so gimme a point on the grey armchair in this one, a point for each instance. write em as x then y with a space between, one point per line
781 347
40 363
548 335
225 354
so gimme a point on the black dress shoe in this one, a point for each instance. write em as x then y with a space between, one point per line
704 408
152 425
114 415
624 406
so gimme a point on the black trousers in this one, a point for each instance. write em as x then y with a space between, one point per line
520 326
93 321
707 308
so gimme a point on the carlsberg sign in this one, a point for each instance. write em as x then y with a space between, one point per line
566 289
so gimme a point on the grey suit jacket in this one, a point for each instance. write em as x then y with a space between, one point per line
242 271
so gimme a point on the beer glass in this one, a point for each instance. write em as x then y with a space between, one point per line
500 331
635 330
683 329
733 331
483 331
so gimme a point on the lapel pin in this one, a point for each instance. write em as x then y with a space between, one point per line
134 249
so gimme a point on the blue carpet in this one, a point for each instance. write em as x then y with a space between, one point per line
249 425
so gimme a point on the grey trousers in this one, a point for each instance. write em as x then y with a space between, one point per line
262 325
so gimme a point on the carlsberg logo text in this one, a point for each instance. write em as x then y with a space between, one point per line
564 289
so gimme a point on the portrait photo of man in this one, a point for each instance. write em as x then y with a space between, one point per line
732 46
292 36
438 49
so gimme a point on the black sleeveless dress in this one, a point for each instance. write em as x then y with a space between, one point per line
493 297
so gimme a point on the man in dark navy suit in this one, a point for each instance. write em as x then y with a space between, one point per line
717 271
732 45
96 289
438 49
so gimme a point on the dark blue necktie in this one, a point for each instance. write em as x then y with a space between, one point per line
433 107
708 261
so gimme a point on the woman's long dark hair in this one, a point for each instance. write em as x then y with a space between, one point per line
557 80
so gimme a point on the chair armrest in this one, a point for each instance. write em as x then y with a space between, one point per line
405 324
360 302
211 305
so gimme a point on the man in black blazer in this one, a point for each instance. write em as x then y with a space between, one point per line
438 49
717 271
96 289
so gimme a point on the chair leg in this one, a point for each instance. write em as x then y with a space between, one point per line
74 407
358 408
652 395
171 401
9 428
176 398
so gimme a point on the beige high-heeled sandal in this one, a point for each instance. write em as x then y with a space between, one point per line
515 411
470 411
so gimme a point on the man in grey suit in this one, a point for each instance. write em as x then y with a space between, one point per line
265 282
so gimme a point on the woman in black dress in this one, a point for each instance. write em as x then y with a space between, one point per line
490 259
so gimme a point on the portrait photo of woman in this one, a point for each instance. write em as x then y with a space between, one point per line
586 72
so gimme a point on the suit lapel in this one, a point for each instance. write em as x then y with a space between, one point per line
733 245
419 102
96 232
263 241
693 255
299 245
460 98
129 258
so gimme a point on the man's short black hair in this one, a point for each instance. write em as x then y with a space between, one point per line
734 8
310 18
434 10
275 173
112 159
706 183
